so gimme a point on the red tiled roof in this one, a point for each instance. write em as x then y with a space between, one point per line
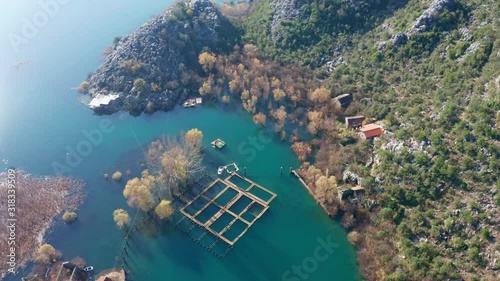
371 130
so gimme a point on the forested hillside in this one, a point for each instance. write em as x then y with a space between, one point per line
420 196
428 72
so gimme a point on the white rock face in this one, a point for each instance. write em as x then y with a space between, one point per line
288 10
471 50
100 100
425 21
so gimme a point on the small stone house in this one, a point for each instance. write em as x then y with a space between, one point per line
370 131
344 100
354 121
358 190
353 192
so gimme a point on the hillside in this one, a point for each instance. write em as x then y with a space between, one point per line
153 68
427 72
435 173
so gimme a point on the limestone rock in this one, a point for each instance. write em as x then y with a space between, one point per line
155 53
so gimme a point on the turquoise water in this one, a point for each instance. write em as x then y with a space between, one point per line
41 120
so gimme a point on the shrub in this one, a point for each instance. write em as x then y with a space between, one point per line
83 87
164 210
117 176
116 40
69 217
355 238
121 217
485 233
47 254
387 213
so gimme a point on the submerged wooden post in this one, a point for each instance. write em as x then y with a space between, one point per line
59 273
72 274
211 201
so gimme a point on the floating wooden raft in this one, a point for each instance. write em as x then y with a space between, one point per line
218 143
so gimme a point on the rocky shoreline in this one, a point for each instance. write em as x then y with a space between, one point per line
151 69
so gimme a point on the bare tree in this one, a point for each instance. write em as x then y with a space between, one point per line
164 210
175 160
139 192
259 119
194 137
121 218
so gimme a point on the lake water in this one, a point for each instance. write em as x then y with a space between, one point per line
41 120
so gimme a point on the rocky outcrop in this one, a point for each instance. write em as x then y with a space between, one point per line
470 50
425 21
147 69
284 10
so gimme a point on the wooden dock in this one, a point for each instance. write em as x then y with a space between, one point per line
225 209
312 193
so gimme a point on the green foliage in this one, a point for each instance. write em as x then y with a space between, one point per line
116 40
387 213
323 24
439 102
485 233
261 16
458 50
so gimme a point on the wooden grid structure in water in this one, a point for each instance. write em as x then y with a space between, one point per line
210 207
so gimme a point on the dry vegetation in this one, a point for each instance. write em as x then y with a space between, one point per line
171 162
431 204
38 201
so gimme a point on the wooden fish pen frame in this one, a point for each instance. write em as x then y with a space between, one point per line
225 209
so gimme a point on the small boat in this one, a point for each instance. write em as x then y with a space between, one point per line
190 103
220 170
88 268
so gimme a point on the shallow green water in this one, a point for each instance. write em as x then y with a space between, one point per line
41 120
285 236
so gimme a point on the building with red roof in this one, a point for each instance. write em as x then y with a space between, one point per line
370 131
